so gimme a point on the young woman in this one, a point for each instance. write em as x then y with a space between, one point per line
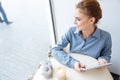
85 37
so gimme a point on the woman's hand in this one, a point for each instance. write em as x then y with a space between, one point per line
78 66
102 61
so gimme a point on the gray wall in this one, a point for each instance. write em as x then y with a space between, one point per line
64 16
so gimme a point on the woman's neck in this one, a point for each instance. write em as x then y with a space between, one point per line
86 33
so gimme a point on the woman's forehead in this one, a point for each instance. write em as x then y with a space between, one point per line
80 13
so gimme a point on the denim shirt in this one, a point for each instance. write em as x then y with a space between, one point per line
98 45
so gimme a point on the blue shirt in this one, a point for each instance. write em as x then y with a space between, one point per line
98 45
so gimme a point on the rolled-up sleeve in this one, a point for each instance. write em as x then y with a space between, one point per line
62 56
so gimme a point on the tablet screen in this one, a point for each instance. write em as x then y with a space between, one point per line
95 66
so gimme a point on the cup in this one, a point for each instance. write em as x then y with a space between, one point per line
60 73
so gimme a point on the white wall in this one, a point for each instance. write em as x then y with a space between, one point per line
110 22
64 16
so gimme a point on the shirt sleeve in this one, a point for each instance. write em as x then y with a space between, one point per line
59 54
106 52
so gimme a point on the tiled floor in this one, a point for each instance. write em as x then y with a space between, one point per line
24 43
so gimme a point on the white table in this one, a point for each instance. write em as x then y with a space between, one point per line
71 74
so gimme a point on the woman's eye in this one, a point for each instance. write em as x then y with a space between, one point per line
78 19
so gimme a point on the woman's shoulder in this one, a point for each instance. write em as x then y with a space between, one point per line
72 29
104 33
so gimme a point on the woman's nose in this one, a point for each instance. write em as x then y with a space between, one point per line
75 21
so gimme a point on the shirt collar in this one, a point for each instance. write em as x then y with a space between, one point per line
95 34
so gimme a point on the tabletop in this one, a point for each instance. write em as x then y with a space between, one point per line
71 74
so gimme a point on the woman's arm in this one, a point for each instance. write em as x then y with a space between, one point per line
58 52
106 52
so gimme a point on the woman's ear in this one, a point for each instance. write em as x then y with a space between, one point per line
92 20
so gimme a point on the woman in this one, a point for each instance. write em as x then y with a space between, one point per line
85 37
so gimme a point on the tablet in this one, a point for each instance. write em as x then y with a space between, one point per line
95 66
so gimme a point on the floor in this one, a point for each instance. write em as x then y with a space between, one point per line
24 43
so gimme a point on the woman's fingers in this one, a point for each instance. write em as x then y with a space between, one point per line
102 61
78 67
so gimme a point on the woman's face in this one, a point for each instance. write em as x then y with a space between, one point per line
82 20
